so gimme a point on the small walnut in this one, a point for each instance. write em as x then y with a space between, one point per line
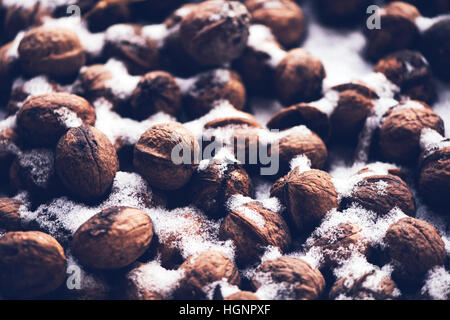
381 194
302 281
399 133
45 118
284 17
203 269
86 162
211 188
242 295
92 83
247 120
411 72
153 155
211 86
363 288
435 48
307 196
415 246
31 264
434 178
215 32
9 214
299 77
105 13
52 51
302 114
157 91
253 227
127 43
399 30
113 238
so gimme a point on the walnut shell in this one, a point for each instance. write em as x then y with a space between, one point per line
215 32
411 72
52 51
302 114
299 77
242 295
31 264
113 238
356 289
9 214
86 162
249 121
211 86
399 30
203 269
157 91
284 17
253 227
9 145
415 246
45 118
18 18
153 155
92 82
211 188
381 194
9 68
399 134
435 46
430 8
434 178
304 282
106 13
307 196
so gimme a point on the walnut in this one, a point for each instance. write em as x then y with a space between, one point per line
45 118
307 196
86 162
153 155
92 83
9 147
415 246
399 30
284 17
253 227
9 68
106 13
31 264
343 12
211 187
203 269
52 51
215 32
302 281
399 133
436 49
299 77
157 91
18 18
211 86
10 219
113 238
411 73
430 8
381 194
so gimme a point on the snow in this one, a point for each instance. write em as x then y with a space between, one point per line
40 163
261 39
122 84
437 284
13 52
68 118
301 163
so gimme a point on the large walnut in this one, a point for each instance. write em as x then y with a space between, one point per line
253 227
86 162
203 269
415 246
302 282
31 264
113 238
307 196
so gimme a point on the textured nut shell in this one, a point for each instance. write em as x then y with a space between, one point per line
156 91
113 238
308 196
307 283
39 124
31 264
52 51
435 46
298 77
249 238
152 155
434 178
215 42
9 214
416 245
396 194
385 291
242 295
201 270
285 19
233 121
92 82
86 162
399 134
